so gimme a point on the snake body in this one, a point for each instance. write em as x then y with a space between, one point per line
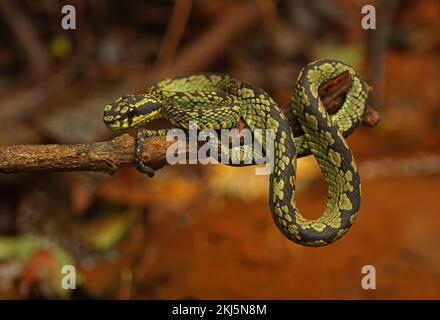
218 101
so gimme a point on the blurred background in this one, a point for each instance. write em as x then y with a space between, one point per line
206 231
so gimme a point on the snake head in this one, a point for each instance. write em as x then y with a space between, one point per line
131 111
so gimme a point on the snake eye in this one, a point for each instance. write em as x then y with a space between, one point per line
131 112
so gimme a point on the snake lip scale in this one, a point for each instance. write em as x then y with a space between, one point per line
218 101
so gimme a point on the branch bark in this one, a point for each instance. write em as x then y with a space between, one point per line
109 156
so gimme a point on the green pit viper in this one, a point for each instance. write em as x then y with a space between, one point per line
219 101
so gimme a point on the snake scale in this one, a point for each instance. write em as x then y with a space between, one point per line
219 101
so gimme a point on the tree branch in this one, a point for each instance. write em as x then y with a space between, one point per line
109 156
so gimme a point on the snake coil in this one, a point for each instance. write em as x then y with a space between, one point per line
219 101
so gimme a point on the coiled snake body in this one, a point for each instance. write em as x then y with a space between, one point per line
218 101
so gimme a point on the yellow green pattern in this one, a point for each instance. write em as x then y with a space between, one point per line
217 101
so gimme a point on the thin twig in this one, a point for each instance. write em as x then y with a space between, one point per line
173 34
26 37
377 48
204 50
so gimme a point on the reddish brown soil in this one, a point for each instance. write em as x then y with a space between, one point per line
222 249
